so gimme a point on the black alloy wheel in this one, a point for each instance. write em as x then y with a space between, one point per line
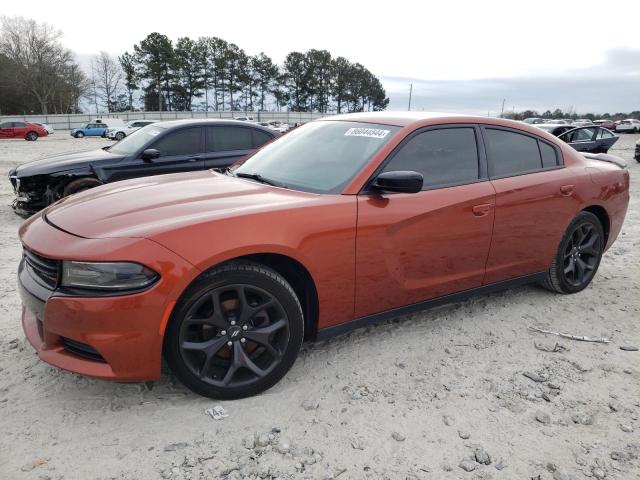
579 255
236 332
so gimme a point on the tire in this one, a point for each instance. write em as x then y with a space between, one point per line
119 136
243 346
578 256
31 136
79 135
80 185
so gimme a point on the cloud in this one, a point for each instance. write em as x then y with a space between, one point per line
611 86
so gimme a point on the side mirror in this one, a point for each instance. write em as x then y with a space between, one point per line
149 154
399 182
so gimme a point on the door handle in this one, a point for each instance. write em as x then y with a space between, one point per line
481 210
193 158
566 190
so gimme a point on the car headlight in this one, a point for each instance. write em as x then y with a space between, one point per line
106 275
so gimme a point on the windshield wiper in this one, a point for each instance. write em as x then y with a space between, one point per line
258 177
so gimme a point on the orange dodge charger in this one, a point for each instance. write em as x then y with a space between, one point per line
343 222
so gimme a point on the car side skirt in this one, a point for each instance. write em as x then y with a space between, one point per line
326 333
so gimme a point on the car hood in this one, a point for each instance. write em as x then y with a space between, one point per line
148 206
65 161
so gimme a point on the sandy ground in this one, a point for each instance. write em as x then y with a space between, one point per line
430 395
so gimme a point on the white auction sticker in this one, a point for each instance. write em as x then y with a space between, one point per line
366 132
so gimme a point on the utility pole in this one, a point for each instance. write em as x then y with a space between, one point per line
410 92
502 109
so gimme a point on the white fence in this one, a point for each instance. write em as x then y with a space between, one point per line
67 122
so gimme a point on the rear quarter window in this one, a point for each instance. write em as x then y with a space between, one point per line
549 155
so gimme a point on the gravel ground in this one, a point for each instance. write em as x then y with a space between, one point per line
461 391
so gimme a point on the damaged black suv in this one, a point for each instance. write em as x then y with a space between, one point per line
168 147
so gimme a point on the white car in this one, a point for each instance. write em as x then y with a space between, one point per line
630 125
582 122
280 126
48 128
275 125
121 131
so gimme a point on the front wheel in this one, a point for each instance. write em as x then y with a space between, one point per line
235 332
79 135
31 136
80 185
120 136
578 256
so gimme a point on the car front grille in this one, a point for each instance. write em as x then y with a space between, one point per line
45 269
82 350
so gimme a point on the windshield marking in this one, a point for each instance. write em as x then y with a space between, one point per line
366 132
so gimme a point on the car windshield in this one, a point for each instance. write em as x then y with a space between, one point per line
135 141
319 157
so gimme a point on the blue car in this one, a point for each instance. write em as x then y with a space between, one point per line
89 130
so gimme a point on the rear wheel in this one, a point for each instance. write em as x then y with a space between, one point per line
578 256
80 185
31 136
235 332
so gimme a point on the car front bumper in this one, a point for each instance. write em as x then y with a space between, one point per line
114 337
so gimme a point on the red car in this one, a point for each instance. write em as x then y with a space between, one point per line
608 124
26 130
340 223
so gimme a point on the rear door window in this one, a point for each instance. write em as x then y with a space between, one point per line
444 157
511 153
602 133
260 138
581 135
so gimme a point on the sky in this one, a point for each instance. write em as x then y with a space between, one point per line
462 56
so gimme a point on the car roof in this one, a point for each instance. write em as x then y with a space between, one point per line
418 119
208 121
400 119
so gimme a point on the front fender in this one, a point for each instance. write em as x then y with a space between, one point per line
322 239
